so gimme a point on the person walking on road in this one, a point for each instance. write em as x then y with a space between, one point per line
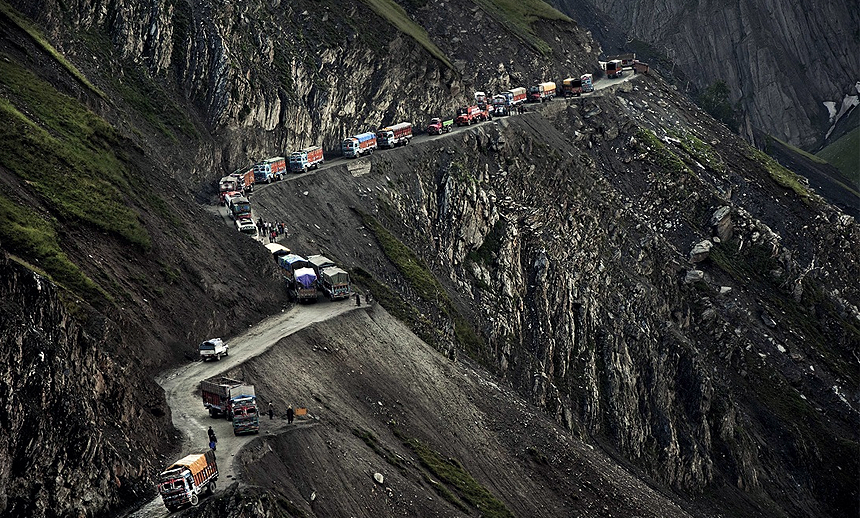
212 437
290 414
271 411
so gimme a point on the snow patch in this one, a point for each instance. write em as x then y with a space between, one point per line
848 102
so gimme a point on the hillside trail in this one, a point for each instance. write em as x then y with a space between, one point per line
192 420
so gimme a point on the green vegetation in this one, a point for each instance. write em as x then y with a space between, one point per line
452 473
519 15
699 151
715 100
397 17
844 154
66 153
399 308
491 245
149 100
783 176
661 155
371 442
18 19
426 286
810 156
26 233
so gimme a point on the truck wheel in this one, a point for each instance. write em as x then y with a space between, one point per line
194 501
211 488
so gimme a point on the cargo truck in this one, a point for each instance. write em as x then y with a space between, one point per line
225 185
218 394
392 136
587 83
180 485
270 170
245 178
290 263
614 68
246 415
240 208
437 126
571 86
516 96
501 106
308 158
357 145
213 349
305 285
334 283
471 115
542 92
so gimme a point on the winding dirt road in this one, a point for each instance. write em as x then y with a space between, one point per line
189 416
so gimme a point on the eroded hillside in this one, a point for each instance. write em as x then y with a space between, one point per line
558 249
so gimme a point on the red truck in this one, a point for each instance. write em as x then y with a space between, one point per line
245 177
542 92
614 68
393 136
218 394
437 126
471 114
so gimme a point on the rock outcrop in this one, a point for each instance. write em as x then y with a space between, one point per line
785 63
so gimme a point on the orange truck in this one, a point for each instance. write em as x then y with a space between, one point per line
180 485
542 92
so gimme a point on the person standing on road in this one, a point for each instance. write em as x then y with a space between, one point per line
212 435
290 414
271 411
357 299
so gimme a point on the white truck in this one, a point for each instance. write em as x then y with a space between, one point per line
213 349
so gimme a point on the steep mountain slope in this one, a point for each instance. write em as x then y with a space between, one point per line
555 248
781 60
566 238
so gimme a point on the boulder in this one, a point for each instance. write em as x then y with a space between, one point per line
721 222
701 251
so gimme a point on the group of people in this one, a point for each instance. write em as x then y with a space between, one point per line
291 414
270 229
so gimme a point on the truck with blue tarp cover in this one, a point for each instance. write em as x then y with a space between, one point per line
357 145
305 285
290 263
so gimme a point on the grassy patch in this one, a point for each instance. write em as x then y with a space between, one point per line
520 15
783 176
66 153
27 234
149 100
661 155
699 151
844 154
399 308
810 156
399 18
452 473
18 19
371 442
425 284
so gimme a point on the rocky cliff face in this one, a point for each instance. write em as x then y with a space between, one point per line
646 278
633 269
268 77
782 61
81 426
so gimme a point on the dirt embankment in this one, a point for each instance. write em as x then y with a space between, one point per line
371 386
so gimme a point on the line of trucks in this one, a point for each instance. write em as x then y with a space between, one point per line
305 277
